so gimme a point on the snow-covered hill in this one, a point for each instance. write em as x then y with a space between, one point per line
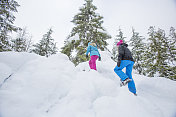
35 86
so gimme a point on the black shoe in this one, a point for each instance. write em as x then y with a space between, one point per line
135 94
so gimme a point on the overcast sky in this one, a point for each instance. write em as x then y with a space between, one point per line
39 15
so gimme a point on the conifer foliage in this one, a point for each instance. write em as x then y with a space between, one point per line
138 50
160 54
7 7
88 27
119 37
157 52
23 41
172 45
171 71
46 46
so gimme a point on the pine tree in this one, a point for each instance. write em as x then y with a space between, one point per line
88 27
138 50
172 54
46 46
23 41
172 45
150 53
115 49
157 53
7 7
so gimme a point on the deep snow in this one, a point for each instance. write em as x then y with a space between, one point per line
53 87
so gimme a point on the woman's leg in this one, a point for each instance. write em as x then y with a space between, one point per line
131 85
119 72
93 60
90 63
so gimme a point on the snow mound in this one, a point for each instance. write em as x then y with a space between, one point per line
54 87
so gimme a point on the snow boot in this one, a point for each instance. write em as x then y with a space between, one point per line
126 81
135 94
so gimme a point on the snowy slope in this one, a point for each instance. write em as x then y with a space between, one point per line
53 87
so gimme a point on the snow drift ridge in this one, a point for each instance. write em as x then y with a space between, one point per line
53 87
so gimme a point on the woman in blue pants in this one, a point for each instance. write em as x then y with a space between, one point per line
125 59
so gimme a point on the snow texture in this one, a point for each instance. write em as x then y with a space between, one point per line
35 86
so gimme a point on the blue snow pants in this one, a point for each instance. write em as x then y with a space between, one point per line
129 66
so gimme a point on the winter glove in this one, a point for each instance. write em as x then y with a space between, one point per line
118 63
86 56
99 59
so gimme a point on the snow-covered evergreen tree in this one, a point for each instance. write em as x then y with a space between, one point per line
138 51
46 46
172 54
157 55
4 42
172 45
150 53
88 27
7 7
23 41
115 49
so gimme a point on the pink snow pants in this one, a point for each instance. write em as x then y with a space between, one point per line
92 62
